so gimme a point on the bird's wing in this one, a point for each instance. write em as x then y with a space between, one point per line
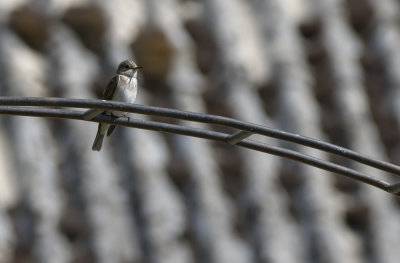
90 114
110 89
107 95
111 129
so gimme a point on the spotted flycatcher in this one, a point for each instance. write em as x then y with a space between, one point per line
122 87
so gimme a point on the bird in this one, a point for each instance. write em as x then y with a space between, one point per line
122 87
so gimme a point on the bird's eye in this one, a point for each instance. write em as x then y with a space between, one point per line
126 66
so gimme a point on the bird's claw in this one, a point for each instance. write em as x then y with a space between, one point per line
122 117
114 117
127 117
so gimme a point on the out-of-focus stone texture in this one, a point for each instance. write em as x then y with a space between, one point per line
327 69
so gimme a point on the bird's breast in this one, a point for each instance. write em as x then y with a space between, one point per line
126 90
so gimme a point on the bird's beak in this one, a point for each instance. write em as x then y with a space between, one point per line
138 67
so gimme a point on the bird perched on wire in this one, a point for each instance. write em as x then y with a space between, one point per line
122 87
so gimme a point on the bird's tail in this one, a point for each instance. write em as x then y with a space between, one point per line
98 141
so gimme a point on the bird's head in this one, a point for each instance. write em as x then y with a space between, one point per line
128 68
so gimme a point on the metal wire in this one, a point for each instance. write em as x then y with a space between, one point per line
24 107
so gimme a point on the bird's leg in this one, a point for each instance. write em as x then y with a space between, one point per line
127 117
115 117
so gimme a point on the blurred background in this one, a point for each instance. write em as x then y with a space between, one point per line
327 69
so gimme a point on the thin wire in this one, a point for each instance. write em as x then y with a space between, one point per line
24 108
204 118
211 135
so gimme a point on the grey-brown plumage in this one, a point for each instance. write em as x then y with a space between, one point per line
122 87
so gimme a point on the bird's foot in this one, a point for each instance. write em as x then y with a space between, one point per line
127 117
114 117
